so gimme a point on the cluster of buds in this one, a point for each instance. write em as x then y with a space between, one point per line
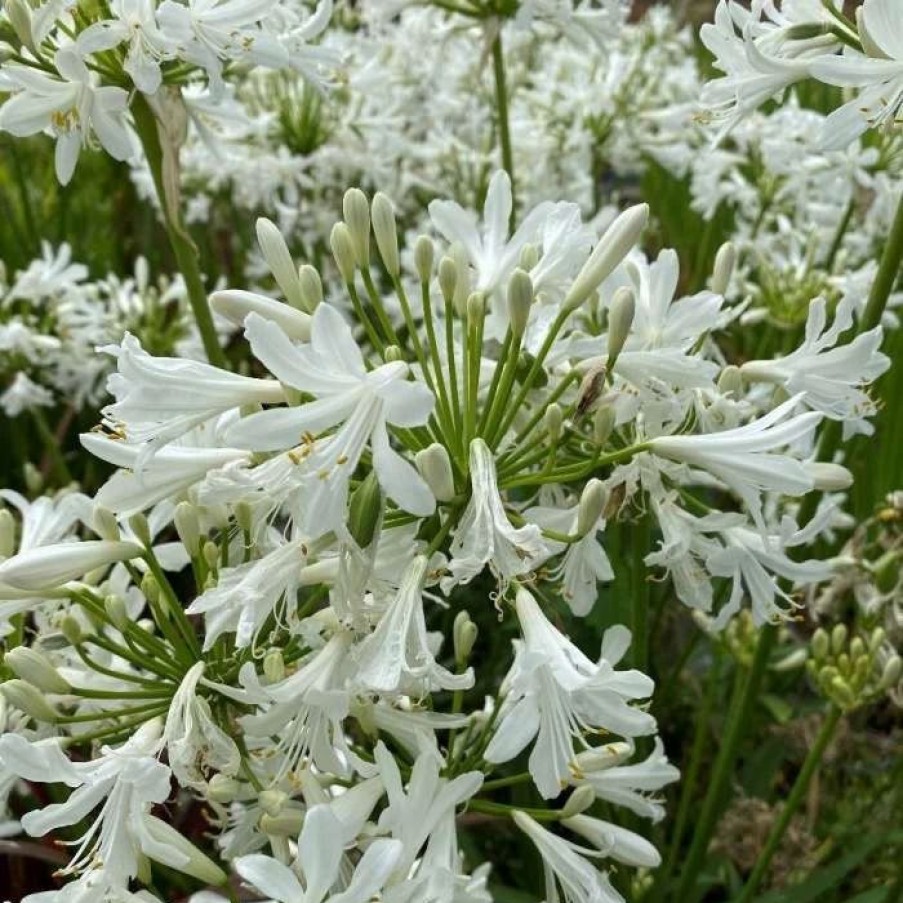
851 670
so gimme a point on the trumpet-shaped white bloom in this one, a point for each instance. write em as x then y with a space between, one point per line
72 107
879 75
360 403
826 376
555 694
565 865
319 860
484 535
397 657
159 399
746 459
126 780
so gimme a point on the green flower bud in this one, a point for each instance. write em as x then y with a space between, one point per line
34 479
891 673
887 571
392 354
286 824
7 534
365 510
857 648
223 789
529 257
71 630
464 634
279 260
115 609
356 211
838 638
274 666
211 553
434 465
579 801
821 644
620 320
725 261
591 506
150 588
554 420
876 639
29 699
188 526
272 801
520 300
448 278
603 424
476 308
138 523
342 245
105 524
311 287
424 251
36 669
386 232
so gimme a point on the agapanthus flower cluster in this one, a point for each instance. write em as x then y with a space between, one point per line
73 71
278 603
53 317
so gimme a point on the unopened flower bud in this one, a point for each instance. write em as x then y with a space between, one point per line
520 300
46 567
115 609
34 479
364 510
857 647
235 305
891 673
392 353
887 571
842 693
356 211
286 824
71 630
821 644
424 251
579 801
876 639
223 789
464 634
211 552
434 465
610 250
620 321
139 526
554 420
792 661
603 424
19 14
529 257
29 699
7 534
188 526
150 588
838 638
311 287
36 669
105 524
591 506
342 245
448 278
191 860
829 477
730 382
272 801
602 757
279 260
274 666
386 232
725 261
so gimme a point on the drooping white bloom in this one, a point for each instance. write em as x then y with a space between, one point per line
195 744
361 403
128 780
828 377
246 595
72 107
746 459
556 694
878 73
397 657
564 864
614 841
616 781
484 535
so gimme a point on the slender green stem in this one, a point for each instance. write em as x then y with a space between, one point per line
523 778
888 271
501 103
838 236
797 792
184 249
52 448
745 691
642 537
